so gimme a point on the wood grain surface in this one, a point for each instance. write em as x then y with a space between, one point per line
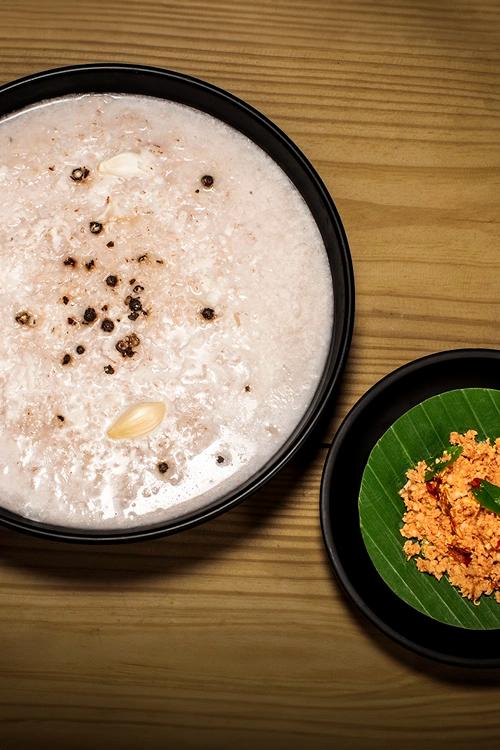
235 635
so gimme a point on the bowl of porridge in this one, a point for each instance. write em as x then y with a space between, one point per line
177 302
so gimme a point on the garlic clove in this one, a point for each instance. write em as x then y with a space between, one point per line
137 420
126 164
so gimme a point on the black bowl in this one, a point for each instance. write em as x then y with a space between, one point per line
139 79
365 424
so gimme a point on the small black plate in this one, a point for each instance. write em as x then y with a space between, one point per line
364 425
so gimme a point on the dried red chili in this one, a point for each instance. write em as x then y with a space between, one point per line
459 554
433 487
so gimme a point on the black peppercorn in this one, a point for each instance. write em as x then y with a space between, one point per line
107 325
70 262
207 180
208 313
135 304
66 359
90 265
133 316
23 318
89 315
80 349
60 417
95 227
112 280
247 388
79 174
109 370
126 345
65 300
71 322
162 467
110 244
220 459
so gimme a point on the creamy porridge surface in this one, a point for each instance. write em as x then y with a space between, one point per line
149 252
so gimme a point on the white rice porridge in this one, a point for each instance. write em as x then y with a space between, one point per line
150 253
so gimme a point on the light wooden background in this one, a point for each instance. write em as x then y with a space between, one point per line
234 635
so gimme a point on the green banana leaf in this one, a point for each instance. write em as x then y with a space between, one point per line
422 432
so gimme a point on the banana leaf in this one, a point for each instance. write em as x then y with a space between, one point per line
420 433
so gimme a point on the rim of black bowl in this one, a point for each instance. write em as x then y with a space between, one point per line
396 612
167 84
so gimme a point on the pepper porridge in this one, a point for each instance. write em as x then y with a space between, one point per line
166 306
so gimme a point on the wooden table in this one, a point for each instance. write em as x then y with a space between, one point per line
235 635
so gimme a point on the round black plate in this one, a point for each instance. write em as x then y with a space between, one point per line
167 84
364 425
